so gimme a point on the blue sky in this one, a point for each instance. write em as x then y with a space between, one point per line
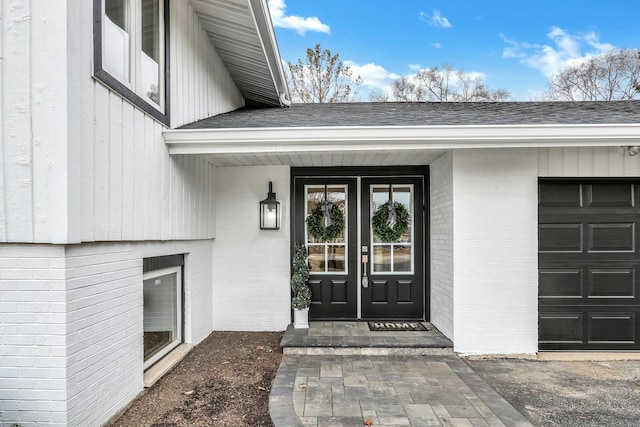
513 45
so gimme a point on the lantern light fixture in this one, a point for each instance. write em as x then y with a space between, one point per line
270 211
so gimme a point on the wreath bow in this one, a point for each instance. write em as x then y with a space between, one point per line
326 212
391 220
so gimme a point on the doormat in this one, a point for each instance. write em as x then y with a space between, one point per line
396 326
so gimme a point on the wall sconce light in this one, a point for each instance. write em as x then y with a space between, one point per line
270 211
633 150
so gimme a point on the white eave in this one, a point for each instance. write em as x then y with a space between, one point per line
242 33
397 138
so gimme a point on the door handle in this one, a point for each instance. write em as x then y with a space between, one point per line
365 278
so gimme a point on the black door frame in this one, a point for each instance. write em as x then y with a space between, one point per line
369 172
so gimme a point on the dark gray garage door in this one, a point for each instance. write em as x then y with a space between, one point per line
589 265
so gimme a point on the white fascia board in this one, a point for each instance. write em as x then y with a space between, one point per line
374 138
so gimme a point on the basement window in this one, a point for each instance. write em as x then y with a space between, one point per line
131 51
162 307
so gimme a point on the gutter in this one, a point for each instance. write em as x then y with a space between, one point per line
262 20
385 138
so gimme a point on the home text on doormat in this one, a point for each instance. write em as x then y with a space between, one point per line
396 326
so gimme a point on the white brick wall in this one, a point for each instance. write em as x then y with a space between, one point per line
495 251
441 234
251 266
79 368
32 335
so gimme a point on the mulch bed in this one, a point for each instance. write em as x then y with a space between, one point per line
224 381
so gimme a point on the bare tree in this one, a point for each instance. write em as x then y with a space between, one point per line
444 84
322 77
614 74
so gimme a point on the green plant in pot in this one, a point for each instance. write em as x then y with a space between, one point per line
301 293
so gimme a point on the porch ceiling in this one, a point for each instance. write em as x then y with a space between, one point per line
329 159
243 36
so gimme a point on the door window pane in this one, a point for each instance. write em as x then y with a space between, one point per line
162 313
382 258
390 257
330 256
401 258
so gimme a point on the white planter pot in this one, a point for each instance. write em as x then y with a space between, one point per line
301 319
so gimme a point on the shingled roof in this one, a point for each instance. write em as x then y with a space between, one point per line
427 114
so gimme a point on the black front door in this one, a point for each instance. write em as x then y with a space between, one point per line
355 274
395 287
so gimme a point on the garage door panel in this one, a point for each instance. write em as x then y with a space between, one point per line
611 237
612 283
608 327
560 194
620 194
560 327
560 238
561 283
594 328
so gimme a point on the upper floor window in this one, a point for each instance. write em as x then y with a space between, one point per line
130 51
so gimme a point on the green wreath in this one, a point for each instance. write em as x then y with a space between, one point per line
316 223
380 222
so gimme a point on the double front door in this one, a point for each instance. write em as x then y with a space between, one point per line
364 265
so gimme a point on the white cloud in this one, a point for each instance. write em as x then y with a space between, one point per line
435 20
565 49
374 76
436 45
415 67
297 23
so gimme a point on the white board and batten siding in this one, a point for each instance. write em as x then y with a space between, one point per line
80 163
603 162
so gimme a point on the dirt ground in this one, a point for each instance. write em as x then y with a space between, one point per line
567 394
224 381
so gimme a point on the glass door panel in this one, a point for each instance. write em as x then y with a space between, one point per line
392 257
327 256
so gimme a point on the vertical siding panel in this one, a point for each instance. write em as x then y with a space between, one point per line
141 165
166 192
179 207
631 165
115 166
190 62
128 170
600 161
101 163
157 178
585 161
148 179
50 148
176 59
16 146
3 89
570 161
87 105
616 161
555 162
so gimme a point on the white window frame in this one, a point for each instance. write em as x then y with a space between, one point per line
131 88
179 312
392 245
326 245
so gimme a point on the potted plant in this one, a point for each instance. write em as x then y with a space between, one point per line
301 293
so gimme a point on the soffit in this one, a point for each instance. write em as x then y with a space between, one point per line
242 34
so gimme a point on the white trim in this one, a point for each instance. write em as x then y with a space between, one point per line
372 138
